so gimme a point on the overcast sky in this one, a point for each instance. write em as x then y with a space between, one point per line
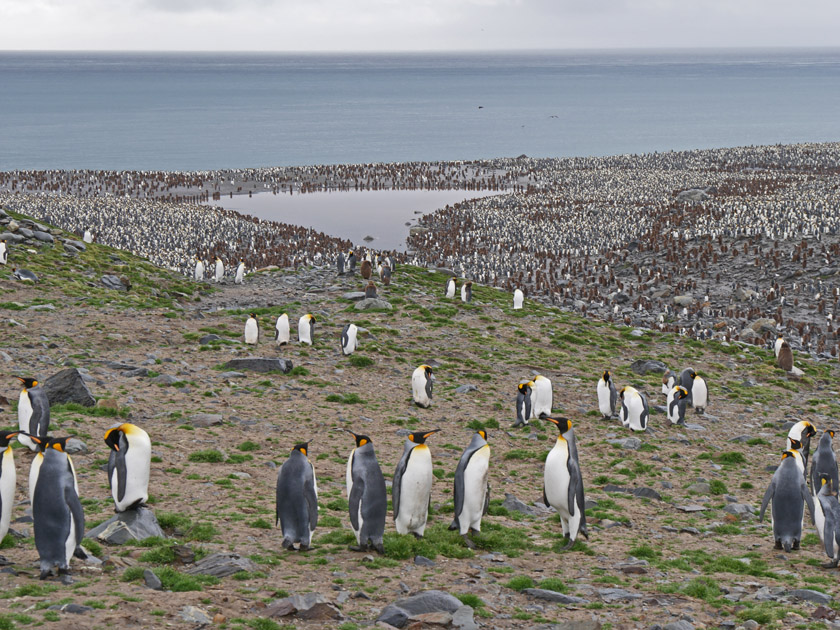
382 25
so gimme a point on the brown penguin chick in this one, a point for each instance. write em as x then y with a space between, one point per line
366 269
370 290
785 360
386 275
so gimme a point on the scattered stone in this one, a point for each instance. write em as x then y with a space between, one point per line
75 445
222 565
463 389
809 596
192 614
739 509
610 595
464 619
73 609
113 282
581 624
682 624
645 366
164 379
423 561
690 508
648 493
137 524
398 613
151 580
515 505
631 443
310 606
372 303
354 296
683 300
208 338
553 596
68 386
256 364
204 420
700 487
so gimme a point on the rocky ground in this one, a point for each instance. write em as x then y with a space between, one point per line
674 537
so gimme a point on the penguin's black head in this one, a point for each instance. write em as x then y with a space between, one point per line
483 434
419 437
524 388
682 392
795 444
6 437
28 383
361 440
563 424
786 454
253 315
59 444
606 376
112 437
428 371
809 431
825 480
693 374
830 432
311 317
303 447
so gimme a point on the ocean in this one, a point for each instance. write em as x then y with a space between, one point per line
200 111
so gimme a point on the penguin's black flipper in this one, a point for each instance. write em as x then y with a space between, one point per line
809 500
397 483
768 494
545 498
77 513
486 500
311 501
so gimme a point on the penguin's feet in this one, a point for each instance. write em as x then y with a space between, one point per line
288 544
470 544
417 536
304 547
569 544
379 547
778 545
357 548
519 423
796 545
45 573
829 565
66 579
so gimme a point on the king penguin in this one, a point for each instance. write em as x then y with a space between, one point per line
33 412
450 288
563 482
518 299
676 404
220 270
8 479
669 379
4 253
370 290
421 386
128 465
306 329
240 272
466 292
366 270
297 499
366 495
778 345
787 490
542 397
827 520
58 518
607 395
87 237
411 490
634 409
351 261
58 444
339 264
471 490
785 357
700 394
803 431
687 381
824 462
282 335
252 330
348 339
199 269
523 403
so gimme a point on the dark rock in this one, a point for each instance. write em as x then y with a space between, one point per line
222 565
208 338
372 303
26 232
355 296
611 595
204 420
68 386
80 245
423 561
682 624
553 596
648 493
645 366
631 443
310 606
809 596
581 624
164 379
192 614
9 237
463 619
137 524
515 505
151 580
463 389
74 609
74 446
256 364
113 282
739 509
398 613
44 237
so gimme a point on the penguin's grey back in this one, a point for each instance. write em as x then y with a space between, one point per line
55 507
824 461
368 493
475 444
297 502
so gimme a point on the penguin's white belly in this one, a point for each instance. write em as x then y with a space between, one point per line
819 519
673 412
24 414
240 272
8 478
137 480
475 490
415 492
34 471
450 290
303 333
251 332
418 388
282 329
557 481
699 394
604 399
70 543
634 413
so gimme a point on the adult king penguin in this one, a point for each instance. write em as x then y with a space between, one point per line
348 339
4 253
450 288
466 292
542 397
339 264
220 270
824 462
421 386
523 403
366 495
128 465
675 404
787 490
58 518
297 499
634 409
351 261
33 413
252 330
306 329
240 272
700 394
687 377
282 334
827 520
412 485
8 478
778 345
803 431
198 273
471 491
607 395
563 482
518 299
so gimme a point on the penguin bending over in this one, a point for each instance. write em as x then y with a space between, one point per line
450 288
827 520
57 514
471 490
252 330
803 431
306 329
466 292
523 403
787 490
348 340
634 409
411 490
687 377
240 272
421 386
607 395
366 495
297 499
282 336
33 413
128 465
824 462
563 482
675 404
8 479
669 379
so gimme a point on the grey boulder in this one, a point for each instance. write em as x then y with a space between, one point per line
398 613
256 364
372 303
222 565
68 386
136 524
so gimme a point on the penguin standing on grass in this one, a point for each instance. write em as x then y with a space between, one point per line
450 288
687 377
220 270
523 403
306 329
466 292
827 520
518 299
411 490
777 346
421 386
787 490
563 482
700 394
33 413
199 269
252 330
129 465
348 339
366 495
607 395
542 397
297 499
471 490
824 462
4 253
282 335
676 404
785 357
8 479
634 411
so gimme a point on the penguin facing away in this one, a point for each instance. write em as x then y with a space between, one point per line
785 357
633 413
199 269
421 386
252 330
827 520
33 413
57 514
348 339
607 395
128 465
306 329
370 290
8 479
351 261
282 334
676 404
466 292
411 490
471 490
240 272
297 499
563 482
824 462
523 403
339 264
518 299
803 431
366 495
787 490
